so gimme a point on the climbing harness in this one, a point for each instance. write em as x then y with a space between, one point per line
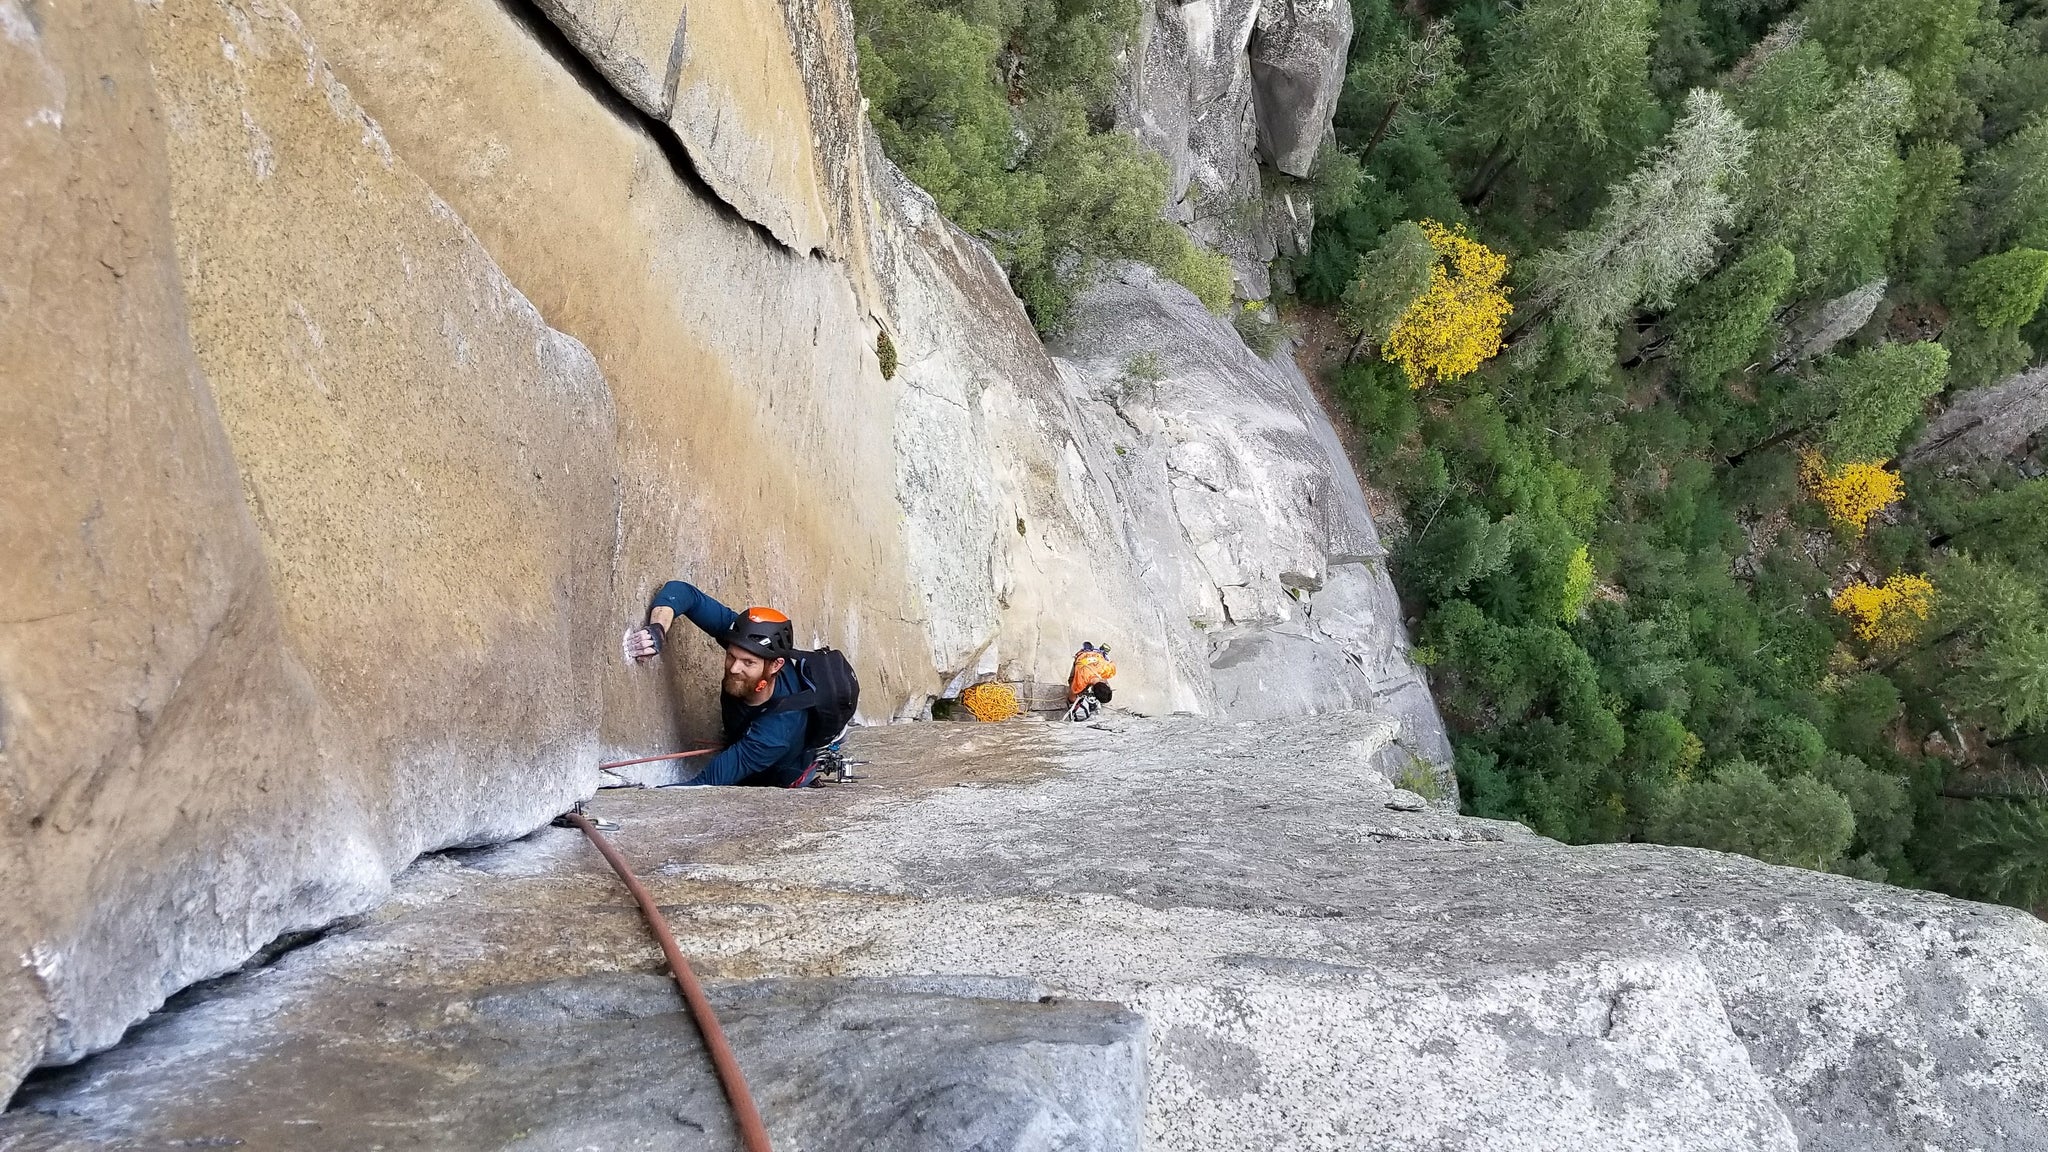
829 767
753 1135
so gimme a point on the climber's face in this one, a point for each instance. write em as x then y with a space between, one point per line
744 671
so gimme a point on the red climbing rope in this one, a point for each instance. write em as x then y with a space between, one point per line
663 756
752 1134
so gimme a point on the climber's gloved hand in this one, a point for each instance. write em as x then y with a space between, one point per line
645 642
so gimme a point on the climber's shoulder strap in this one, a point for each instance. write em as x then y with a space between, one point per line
830 692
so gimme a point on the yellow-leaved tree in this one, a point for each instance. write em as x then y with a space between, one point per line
1455 325
1852 493
1890 614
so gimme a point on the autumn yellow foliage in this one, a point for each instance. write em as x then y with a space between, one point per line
1852 493
1578 585
1455 325
1887 615
992 702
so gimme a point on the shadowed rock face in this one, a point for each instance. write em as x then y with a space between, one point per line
1309 968
609 1061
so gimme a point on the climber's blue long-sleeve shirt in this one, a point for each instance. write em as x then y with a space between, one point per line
762 747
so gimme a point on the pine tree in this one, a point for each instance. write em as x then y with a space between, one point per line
1723 321
2002 291
1826 177
1406 77
1979 595
2010 524
1566 80
1801 821
1388 280
1998 850
2003 682
1926 41
1874 395
1658 231
2009 189
1930 180
1992 628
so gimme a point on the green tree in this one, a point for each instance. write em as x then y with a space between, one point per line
928 76
1879 801
1978 596
1872 396
1406 77
2006 523
1681 58
1054 197
1864 706
1826 176
1930 181
1926 41
1991 629
1998 850
2002 682
1658 755
1457 550
1784 743
1657 232
1991 299
2007 76
1862 403
1722 323
2009 190
2002 291
1566 80
1387 281
1800 821
1785 82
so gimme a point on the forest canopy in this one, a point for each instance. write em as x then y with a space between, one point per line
1754 244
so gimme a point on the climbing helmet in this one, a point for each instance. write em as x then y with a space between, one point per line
764 632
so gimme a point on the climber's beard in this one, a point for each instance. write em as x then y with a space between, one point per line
744 671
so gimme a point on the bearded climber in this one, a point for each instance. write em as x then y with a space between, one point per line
771 715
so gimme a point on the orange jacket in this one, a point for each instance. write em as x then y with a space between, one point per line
1090 668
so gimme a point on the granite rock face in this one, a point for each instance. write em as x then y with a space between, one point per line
608 1061
1296 56
373 363
282 439
1220 86
1989 423
1239 498
1299 966
1814 335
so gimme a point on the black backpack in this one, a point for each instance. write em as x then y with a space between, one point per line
831 692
